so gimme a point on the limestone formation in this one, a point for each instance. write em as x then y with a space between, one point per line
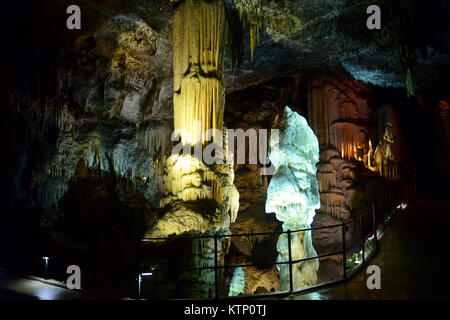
88 116
384 158
237 282
293 195
198 47
198 198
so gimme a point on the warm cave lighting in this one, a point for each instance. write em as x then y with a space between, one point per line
356 151
199 94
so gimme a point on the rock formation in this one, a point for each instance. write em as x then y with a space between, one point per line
88 116
199 198
293 195
340 116
237 284
384 158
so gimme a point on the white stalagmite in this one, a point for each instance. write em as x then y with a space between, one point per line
237 283
293 195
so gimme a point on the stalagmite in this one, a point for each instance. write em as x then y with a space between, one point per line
294 196
198 197
237 283
384 158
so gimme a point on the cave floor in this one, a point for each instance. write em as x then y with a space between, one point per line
414 259
23 288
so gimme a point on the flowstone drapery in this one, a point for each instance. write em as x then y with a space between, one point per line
199 198
293 195
199 32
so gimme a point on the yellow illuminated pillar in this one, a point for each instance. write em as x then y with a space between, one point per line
198 48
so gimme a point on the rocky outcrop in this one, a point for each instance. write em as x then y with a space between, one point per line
89 157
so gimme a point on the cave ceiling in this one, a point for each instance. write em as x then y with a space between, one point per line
325 36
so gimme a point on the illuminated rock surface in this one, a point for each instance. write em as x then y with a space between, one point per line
237 282
198 198
87 116
293 195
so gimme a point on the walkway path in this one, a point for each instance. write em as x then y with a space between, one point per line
23 288
414 258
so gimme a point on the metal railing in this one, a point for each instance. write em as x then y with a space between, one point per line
371 235
365 238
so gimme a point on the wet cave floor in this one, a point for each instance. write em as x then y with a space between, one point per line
414 259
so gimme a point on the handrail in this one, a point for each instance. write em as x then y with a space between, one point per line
343 252
138 273
358 218
175 237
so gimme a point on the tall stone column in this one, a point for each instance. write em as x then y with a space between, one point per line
200 198
293 195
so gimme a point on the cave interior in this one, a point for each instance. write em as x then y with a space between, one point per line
88 116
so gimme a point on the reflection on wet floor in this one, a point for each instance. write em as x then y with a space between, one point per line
414 259
18 288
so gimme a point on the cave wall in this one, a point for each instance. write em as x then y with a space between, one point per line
86 154
350 127
88 115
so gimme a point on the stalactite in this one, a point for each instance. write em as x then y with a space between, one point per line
154 139
327 180
92 152
262 15
199 36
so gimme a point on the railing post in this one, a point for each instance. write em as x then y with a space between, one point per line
291 284
374 222
344 258
362 238
138 268
139 279
46 268
216 289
